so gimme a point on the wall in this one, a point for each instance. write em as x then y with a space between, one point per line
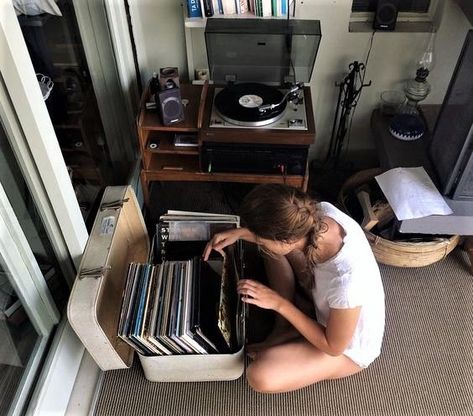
159 38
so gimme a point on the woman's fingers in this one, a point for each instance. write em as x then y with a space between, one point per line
249 287
208 249
216 245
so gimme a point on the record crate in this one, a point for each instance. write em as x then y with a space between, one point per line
118 238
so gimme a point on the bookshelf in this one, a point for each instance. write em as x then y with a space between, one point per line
195 40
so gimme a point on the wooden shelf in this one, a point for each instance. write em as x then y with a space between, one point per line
196 176
173 163
167 162
166 145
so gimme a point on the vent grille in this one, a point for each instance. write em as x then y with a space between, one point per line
413 6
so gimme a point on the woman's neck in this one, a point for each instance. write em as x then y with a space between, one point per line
330 242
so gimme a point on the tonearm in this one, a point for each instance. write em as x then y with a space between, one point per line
291 92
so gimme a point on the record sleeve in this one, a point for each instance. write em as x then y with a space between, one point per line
210 283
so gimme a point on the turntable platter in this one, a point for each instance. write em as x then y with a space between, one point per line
239 104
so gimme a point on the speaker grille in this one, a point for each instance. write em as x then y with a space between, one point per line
171 107
387 14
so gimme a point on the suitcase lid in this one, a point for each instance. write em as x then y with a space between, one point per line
118 237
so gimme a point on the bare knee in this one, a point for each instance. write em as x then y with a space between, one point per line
259 379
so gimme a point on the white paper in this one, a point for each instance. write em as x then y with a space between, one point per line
411 193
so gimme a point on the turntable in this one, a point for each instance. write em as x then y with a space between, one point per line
259 68
258 103
250 105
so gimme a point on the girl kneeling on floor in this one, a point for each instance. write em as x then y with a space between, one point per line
317 247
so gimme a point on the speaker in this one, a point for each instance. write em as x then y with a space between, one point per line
168 76
385 15
170 106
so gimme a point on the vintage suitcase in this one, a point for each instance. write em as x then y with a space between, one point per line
119 237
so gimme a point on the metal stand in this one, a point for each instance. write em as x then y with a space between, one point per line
350 90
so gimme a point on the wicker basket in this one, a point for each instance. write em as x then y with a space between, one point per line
398 253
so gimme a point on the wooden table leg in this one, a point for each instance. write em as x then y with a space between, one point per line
468 247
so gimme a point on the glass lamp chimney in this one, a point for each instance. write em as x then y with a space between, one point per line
418 88
426 62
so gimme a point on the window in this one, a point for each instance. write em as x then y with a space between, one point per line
414 15
413 6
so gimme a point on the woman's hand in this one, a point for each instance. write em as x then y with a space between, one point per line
260 295
220 241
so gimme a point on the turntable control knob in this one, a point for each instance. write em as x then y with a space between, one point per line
295 122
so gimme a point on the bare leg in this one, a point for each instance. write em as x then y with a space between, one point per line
294 365
305 278
281 279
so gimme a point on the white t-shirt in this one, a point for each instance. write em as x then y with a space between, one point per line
349 279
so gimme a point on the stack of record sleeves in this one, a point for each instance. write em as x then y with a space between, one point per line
183 304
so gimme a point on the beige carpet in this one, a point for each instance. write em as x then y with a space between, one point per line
426 367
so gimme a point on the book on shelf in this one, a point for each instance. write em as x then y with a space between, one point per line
244 6
218 7
284 7
194 8
229 7
266 8
207 7
260 8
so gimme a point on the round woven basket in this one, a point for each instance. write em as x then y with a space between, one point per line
398 253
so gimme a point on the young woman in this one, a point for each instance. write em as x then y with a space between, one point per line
317 247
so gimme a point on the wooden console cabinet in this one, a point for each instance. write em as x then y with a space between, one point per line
163 161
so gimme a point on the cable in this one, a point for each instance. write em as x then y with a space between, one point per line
368 54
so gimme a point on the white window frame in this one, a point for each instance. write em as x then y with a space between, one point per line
35 185
27 101
28 125
27 280
40 158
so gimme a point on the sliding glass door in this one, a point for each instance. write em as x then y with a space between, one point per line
92 138
31 285
66 132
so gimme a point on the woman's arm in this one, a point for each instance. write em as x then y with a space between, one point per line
221 240
333 339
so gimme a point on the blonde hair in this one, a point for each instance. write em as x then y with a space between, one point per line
283 213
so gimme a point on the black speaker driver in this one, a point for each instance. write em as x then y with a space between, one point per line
171 107
387 14
239 104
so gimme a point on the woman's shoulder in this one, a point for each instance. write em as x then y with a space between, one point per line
331 210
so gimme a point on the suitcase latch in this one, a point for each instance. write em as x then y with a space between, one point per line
113 204
95 272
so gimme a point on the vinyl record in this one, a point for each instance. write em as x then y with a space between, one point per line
239 104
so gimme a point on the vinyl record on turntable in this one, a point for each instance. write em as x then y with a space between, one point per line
239 104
